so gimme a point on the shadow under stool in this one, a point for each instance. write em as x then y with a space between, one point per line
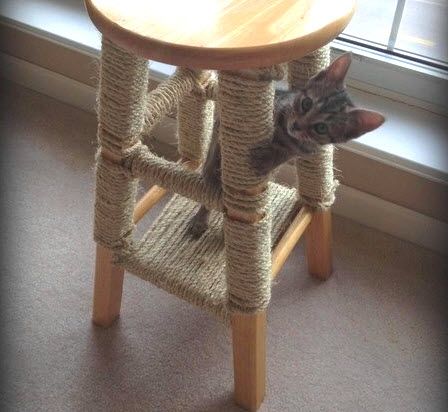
228 55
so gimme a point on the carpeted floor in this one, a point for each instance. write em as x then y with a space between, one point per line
372 338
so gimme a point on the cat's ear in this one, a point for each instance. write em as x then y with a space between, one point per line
360 122
338 68
335 73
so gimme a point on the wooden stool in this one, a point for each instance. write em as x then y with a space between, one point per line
262 222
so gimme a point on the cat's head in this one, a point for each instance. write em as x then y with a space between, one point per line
322 112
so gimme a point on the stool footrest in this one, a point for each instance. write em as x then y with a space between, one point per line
194 269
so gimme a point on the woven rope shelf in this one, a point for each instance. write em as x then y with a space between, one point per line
191 269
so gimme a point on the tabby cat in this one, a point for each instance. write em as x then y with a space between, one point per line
320 113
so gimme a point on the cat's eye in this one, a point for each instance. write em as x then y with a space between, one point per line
321 128
307 103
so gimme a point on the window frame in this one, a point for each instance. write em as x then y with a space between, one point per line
396 77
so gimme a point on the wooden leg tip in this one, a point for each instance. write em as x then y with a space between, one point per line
249 359
108 289
318 246
105 322
249 406
323 276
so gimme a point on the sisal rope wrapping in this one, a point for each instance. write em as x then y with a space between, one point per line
315 172
209 90
194 269
246 106
140 162
167 95
122 94
195 121
114 205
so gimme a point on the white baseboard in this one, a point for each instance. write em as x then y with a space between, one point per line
361 207
47 82
393 219
384 216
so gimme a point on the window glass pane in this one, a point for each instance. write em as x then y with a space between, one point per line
423 29
373 21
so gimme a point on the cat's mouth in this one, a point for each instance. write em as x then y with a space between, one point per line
303 137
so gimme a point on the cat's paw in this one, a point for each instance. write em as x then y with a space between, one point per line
196 228
260 159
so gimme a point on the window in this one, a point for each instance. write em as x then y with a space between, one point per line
413 29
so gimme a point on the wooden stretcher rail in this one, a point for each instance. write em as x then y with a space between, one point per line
290 239
156 193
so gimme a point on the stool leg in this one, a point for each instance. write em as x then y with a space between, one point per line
121 109
108 288
249 359
318 245
315 175
194 124
246 108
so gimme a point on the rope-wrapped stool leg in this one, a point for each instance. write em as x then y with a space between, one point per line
315 176
195 122
246 108
166 97
122 93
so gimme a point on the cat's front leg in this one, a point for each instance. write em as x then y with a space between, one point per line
199 223
266 156
260 158
211 173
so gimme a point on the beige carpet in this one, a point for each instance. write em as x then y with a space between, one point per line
372 338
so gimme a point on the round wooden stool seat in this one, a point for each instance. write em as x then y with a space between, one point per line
221 34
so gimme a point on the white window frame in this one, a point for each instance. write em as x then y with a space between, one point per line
397 78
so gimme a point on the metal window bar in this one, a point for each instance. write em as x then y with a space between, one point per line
396 24
390 48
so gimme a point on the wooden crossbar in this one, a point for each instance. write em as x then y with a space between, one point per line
188 183
166 96
148 201
157 193
290 239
